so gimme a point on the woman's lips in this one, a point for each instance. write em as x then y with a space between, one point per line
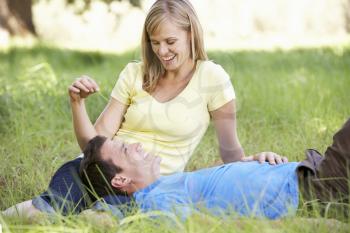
167 59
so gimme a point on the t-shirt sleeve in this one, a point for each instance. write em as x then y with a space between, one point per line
220 89
124 87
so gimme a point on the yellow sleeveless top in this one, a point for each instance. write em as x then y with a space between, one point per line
172 129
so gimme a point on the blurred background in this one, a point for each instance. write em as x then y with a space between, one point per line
116 25
289 62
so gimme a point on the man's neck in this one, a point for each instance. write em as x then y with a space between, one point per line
142 183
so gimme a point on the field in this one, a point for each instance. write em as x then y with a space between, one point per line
287 101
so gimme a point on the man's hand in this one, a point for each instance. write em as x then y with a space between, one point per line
270 157
82 88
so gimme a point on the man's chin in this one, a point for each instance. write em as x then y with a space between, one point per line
156 166
158 159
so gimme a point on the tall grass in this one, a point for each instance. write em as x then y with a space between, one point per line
287 101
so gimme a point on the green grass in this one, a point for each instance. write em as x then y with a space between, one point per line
287 101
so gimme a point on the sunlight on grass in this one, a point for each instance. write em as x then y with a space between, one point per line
287 101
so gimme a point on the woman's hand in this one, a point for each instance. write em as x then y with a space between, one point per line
81 88
270 157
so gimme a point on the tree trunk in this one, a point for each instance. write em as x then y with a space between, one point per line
16 17
347 16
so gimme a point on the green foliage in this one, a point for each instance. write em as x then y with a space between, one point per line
286 102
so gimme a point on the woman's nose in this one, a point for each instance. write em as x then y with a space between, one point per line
163 50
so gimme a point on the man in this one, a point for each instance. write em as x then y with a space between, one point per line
249 188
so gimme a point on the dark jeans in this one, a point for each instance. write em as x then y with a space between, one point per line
66 193
326 178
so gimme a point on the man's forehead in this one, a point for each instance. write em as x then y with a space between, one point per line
112 142
111 146
110 151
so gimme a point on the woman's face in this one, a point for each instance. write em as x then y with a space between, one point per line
171 44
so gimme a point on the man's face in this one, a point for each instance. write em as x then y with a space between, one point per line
134 161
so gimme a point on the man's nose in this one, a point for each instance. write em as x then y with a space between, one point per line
135 146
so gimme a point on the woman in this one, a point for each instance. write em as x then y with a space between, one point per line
165 102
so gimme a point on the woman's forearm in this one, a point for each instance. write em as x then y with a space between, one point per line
232 154
83 128
224 120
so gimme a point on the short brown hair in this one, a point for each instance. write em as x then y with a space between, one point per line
96 173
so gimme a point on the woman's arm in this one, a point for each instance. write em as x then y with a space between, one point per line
108 122
224 119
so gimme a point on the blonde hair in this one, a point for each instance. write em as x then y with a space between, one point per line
182 14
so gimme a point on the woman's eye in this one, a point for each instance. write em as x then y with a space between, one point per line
171 42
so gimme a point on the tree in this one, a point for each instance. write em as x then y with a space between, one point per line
16 15
347 16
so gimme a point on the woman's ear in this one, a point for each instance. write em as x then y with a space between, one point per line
120 182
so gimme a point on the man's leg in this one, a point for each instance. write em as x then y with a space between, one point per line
24 209
327 178
333 171
65 195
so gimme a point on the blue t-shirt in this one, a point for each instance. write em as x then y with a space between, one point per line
247 188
